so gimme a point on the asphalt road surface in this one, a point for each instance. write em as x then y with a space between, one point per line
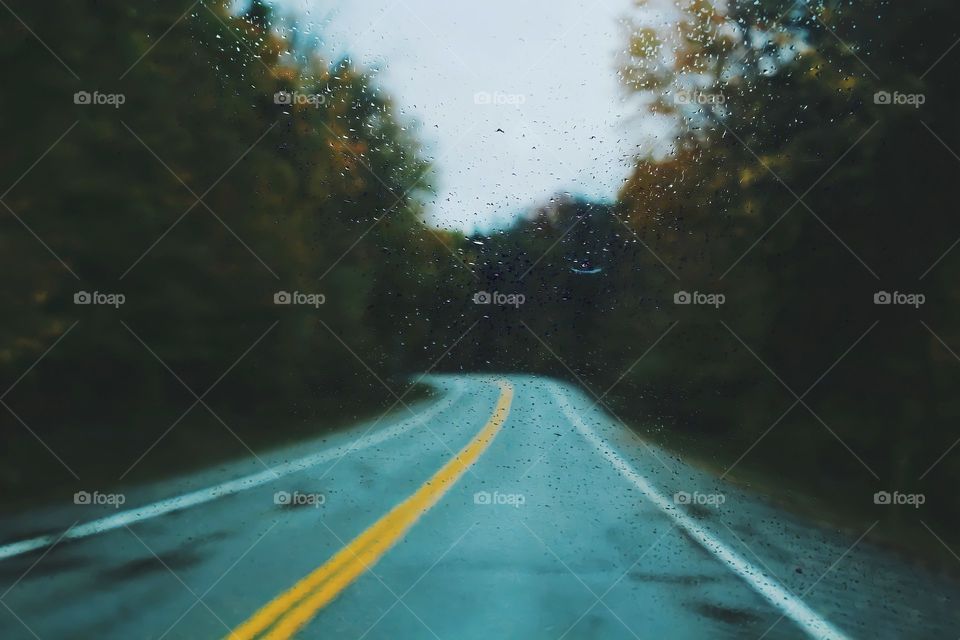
508 507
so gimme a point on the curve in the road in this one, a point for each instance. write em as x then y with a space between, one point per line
773 592
281 618
230 487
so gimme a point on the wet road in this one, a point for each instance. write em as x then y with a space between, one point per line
508 507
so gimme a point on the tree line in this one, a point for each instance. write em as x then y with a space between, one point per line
802 177
805 204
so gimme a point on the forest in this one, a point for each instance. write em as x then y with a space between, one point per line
803 211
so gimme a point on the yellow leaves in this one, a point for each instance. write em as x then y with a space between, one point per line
764 169
645 43
705 11
748 175
848 82
347 159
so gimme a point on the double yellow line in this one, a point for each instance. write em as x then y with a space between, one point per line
286 614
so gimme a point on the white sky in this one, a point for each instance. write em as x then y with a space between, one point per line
568 128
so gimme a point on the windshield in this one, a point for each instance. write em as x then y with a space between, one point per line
411 319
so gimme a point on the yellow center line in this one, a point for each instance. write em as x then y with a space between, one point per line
294 608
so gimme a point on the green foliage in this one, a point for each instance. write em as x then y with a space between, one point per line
287 190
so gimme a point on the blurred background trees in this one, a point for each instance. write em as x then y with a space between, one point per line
198 198
780 182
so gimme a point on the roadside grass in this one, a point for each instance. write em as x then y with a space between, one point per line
33 477
844 509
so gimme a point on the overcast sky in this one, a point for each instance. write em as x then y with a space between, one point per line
544 73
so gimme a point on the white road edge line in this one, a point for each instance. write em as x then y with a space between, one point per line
771 590
201 496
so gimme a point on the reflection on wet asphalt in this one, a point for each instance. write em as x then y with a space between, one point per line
541 538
